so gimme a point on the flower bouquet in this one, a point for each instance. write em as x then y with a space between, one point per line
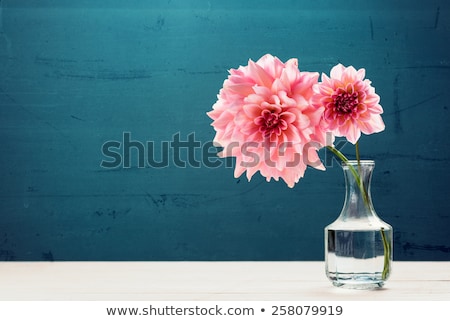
273 118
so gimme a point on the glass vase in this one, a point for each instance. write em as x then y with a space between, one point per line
358 244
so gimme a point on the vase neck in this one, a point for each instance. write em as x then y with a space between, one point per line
358 201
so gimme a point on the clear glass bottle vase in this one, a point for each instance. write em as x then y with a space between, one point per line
358 244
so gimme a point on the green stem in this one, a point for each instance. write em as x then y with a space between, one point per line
355 173
358 158
362 187
387 255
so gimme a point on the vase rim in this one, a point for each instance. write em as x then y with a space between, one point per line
354 162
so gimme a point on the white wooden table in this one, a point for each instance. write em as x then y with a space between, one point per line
206 281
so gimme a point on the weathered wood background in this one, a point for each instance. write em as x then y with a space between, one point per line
75 75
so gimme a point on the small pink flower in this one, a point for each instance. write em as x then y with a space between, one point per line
264 118
351 104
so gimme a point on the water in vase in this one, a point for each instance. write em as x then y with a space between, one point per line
356 259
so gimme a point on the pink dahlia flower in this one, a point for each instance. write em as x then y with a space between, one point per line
350 102
264 118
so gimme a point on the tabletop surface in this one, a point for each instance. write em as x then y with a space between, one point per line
210 281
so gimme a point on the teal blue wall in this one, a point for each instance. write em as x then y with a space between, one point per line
75 75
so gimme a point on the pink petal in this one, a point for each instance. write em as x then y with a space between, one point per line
302 121
341 120
349 75
278 85
325 90
329 114
352 133
259 74
241 89
314 160
326 81
375 125
336 71
372 100
252 110
239 170
350 88
361 74
375 109
292 135
288 117
223 119
303 86
290 73
272 65
315 114
262 92
286 100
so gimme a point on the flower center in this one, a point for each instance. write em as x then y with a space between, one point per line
270 122
345 102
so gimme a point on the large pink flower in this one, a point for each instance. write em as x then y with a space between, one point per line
351 104
264 118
